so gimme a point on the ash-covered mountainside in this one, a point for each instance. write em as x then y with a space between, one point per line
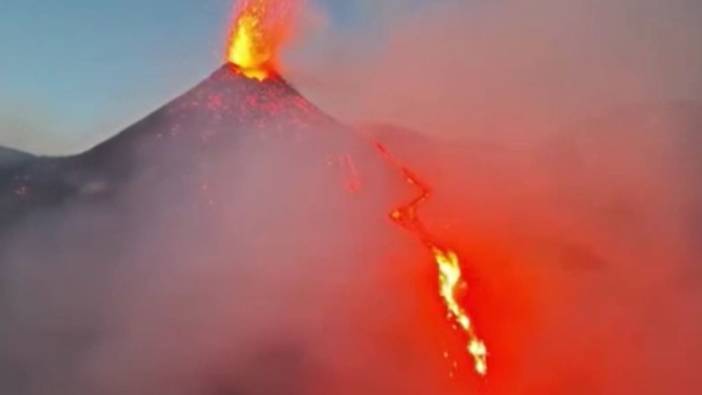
218 111
210 119
193 251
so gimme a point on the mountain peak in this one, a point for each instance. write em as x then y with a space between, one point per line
225 107
211 121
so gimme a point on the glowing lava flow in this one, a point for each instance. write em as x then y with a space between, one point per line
260 28
447 261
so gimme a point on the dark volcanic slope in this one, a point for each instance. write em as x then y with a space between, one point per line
210 118
10 157
216 112
162 245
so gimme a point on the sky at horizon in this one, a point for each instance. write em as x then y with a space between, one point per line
75 72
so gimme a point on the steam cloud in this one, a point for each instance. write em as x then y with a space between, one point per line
562 141
568 170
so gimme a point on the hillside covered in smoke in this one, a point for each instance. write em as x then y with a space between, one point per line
220 245
237 240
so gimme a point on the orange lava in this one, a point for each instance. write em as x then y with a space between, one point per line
450 276
260 28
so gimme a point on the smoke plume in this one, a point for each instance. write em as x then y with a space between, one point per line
562 140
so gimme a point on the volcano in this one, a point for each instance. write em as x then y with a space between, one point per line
234 172
236 177
239 217
207 121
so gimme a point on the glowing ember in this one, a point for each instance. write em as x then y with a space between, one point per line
448 265
260 28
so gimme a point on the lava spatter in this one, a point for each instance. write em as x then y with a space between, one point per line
259 30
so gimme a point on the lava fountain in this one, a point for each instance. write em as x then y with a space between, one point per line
260 28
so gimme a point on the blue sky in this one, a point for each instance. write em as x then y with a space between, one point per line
75 71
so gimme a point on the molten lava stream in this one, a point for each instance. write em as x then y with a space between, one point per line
447 262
